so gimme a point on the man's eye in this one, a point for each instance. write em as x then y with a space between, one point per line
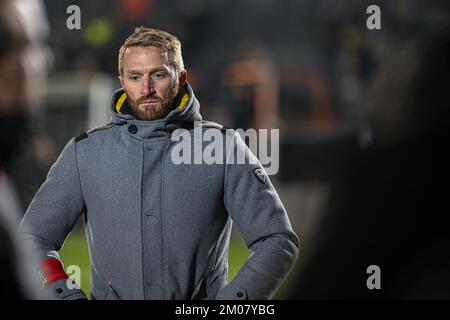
159 75
134 78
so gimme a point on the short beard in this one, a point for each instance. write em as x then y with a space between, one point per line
158 112
155 113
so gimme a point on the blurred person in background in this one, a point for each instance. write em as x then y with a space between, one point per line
157 229
17 54
389 207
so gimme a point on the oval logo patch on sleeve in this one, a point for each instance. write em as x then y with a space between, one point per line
261 175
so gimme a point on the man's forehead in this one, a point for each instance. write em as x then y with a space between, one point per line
150 52
142 58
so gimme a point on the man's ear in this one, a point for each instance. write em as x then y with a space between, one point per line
121 81
182 79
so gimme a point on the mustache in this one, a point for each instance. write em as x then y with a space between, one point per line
152 97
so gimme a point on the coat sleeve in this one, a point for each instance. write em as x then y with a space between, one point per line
54 209
263 223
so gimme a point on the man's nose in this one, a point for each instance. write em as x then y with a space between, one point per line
147 88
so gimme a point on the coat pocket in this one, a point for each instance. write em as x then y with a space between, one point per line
200 292
216 282
102 289
208 287
111 293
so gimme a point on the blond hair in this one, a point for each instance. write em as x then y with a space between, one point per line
147 37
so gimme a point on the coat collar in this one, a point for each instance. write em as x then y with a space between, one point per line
186 111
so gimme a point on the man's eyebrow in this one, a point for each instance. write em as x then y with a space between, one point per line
151 71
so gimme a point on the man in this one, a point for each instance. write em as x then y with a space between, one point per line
157 229
15 103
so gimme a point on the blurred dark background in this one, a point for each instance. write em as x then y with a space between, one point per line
304 67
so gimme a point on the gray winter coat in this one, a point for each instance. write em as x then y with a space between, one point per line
159 230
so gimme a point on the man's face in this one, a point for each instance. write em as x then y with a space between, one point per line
150 82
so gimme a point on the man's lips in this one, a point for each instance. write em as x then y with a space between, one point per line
148 102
